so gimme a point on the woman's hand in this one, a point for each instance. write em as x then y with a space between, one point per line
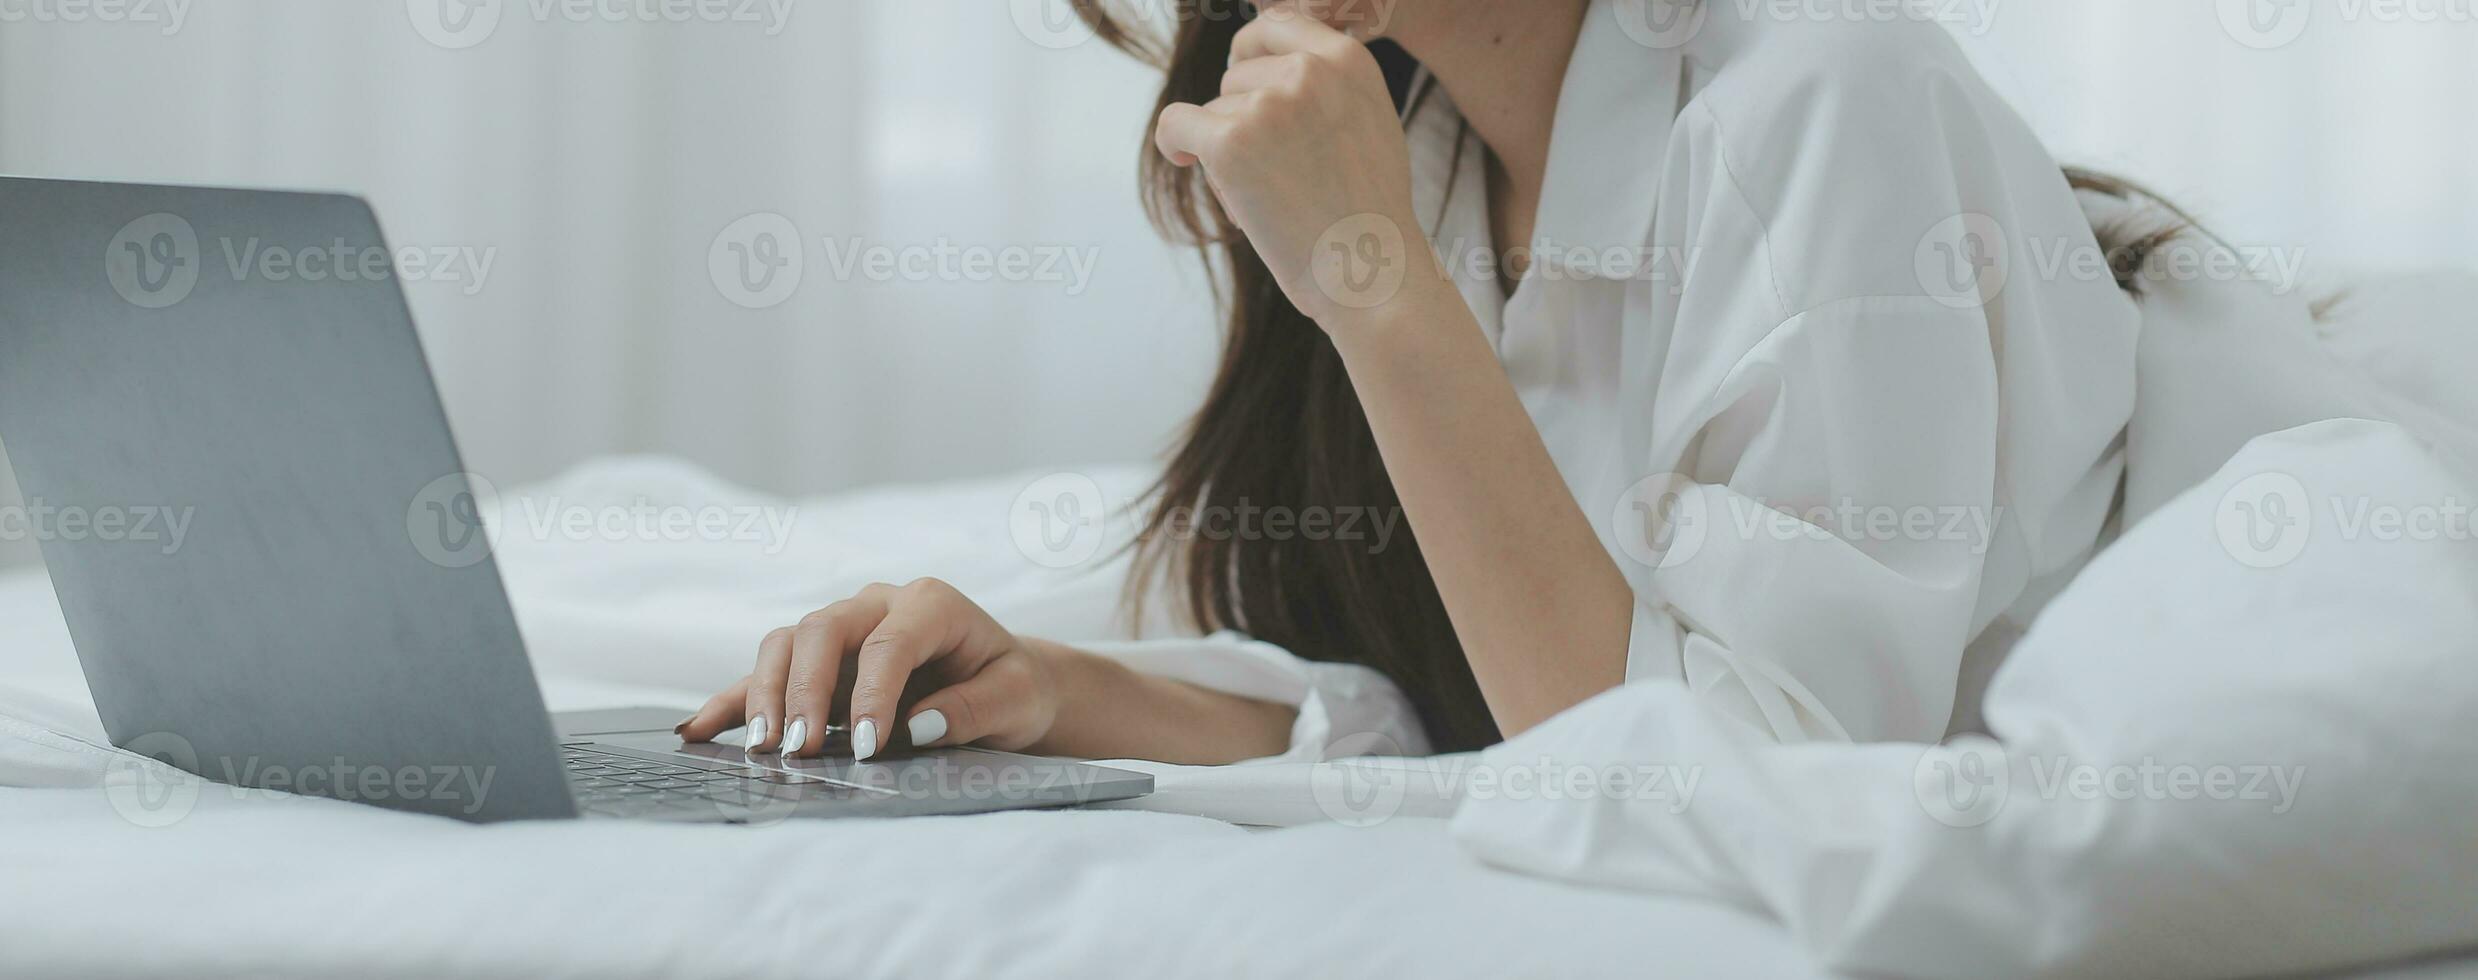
1307 155
974 682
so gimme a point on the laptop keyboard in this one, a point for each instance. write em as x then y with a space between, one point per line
606 784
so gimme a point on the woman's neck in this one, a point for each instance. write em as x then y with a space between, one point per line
1504 63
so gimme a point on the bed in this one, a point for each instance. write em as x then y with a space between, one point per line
107 881
1225 872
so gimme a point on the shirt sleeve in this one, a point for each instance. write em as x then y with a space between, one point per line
1877 411
1820 553
1345 710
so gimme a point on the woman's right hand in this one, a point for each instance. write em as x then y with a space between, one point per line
922 653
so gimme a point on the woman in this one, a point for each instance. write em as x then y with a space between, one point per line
1786 399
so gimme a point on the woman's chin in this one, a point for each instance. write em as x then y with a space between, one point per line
1366 20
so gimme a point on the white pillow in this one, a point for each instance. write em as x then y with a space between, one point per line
2237 744
2271 620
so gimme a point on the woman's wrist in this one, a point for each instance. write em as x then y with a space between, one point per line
1105 710
1426 310
1067 670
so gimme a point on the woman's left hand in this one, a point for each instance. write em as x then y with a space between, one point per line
1306 152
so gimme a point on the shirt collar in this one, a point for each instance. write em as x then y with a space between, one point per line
1610 148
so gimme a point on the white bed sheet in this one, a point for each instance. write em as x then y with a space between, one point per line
262 885
271 886
281 888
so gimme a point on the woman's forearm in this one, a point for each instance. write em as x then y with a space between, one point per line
1108 711
1541 609
1305 151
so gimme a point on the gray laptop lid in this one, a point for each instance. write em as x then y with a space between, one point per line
292 590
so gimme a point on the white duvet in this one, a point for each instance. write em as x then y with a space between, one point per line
2209 759
301 888
1765 863
116 867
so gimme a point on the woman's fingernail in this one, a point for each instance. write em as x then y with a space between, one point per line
865 739
682 727
795 736
928 726
757 734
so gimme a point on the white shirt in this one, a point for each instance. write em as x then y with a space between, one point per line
1795 292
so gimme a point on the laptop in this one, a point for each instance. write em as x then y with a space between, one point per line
240 365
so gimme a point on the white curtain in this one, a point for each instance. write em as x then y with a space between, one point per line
596 150
598 157
2343 129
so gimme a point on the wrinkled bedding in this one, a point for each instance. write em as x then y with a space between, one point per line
2206 760
309 888
1713 856
116 867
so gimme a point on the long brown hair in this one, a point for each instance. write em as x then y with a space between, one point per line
1282 427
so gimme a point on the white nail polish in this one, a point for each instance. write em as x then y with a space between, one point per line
795 736
756 735
865 739
928 726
